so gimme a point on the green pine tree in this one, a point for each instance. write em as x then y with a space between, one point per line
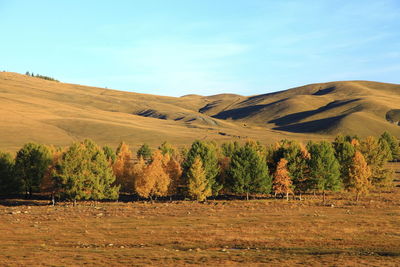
208 155
393 145
144 152
324 167
344 152
297 157
84 173
110 154
248 172
31 163
8 183
167 148
229 148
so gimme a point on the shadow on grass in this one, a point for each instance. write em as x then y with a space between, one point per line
321 252
43 199
311 251
18 202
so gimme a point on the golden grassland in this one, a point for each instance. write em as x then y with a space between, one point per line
48 112
263 232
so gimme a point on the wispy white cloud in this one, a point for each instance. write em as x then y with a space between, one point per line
173 67
205 47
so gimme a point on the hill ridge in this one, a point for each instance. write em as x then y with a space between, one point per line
54 112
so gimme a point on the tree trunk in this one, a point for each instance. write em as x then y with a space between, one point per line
53 201
74 203
30 191
300 196
287 196
323 196
357 196
247 195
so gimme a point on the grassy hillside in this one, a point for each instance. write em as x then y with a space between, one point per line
329 108
34 109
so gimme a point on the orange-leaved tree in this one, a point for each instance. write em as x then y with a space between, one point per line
174 170
359 175
282 181
153 180
137 174
123 168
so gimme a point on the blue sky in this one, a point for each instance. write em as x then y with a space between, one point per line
179 47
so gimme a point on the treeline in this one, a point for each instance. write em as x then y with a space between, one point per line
86 171
41 76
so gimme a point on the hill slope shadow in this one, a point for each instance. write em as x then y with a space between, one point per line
296 117
321 125
240 113
325 91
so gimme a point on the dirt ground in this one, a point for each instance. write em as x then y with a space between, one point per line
260 232
270 232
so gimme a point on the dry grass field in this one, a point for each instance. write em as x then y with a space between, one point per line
262 232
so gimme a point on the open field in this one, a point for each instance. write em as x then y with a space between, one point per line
266 232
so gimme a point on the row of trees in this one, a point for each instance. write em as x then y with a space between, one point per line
41 76
86 171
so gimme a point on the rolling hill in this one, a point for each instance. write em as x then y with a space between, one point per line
49 112
362 107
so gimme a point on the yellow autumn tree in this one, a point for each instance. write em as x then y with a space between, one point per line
157 170
376 154
359 175
304 152
354 142
138 174
174 170
123 168
282 183
153 181
198 187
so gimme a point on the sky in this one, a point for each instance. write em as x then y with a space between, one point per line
206 47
